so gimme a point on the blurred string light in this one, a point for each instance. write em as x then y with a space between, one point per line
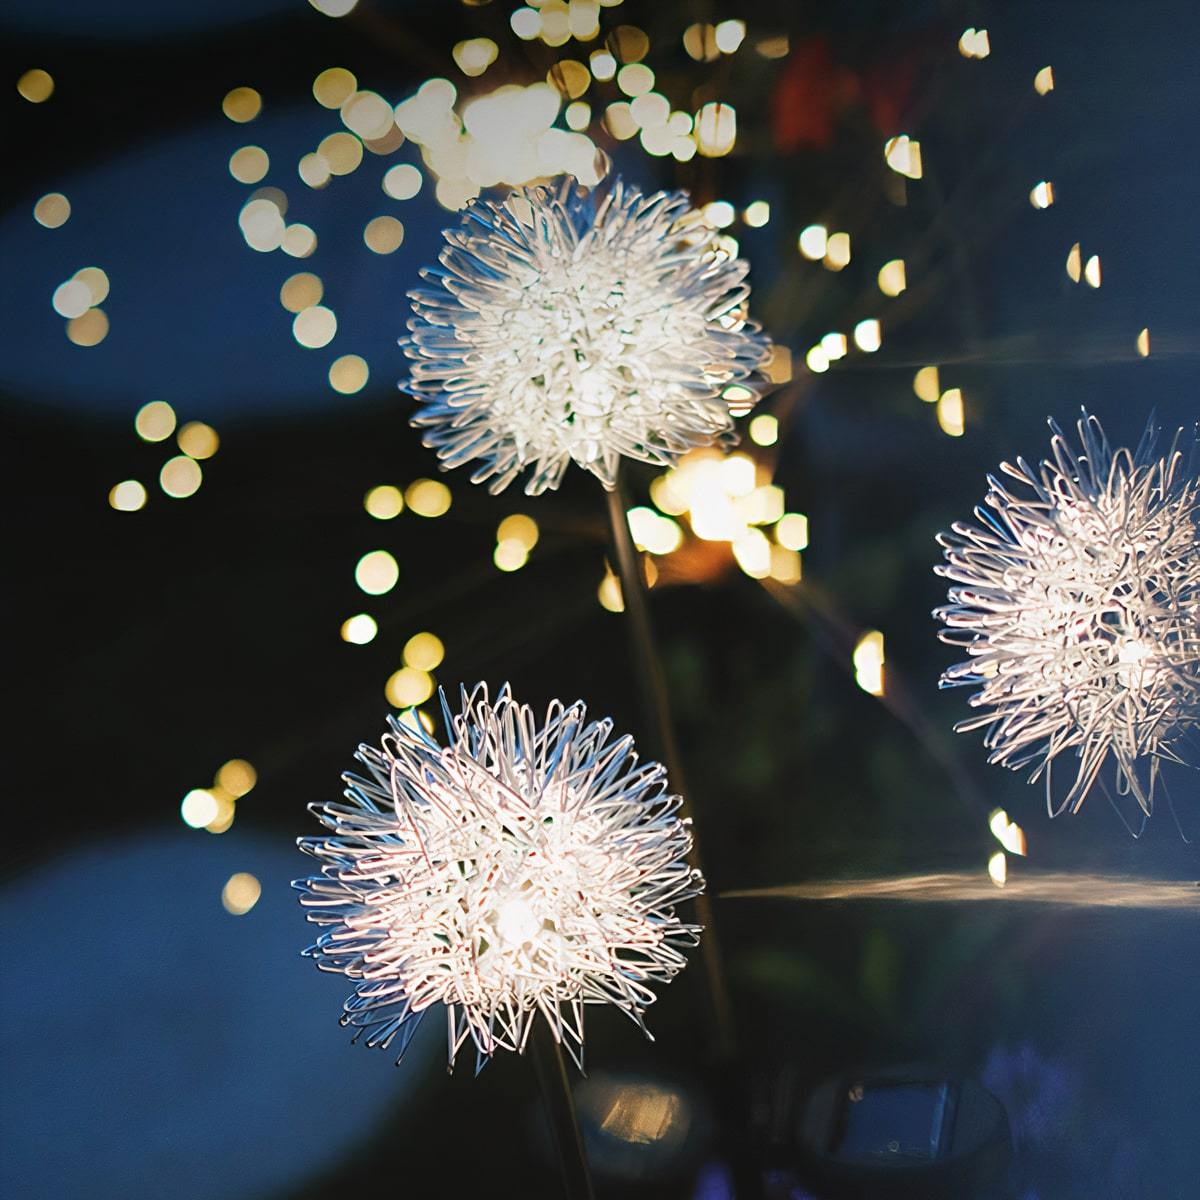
868 336
757 214
249 164
998 868
1143 343
314 327
475 55
301 291
516 537
1074 264
764 429
926 385
180 477
198 440
402 182
868 662
334 8
1043 81
903 155
428 497
213 808
813 241
837 251
1091 271
348 374
36 85
384 235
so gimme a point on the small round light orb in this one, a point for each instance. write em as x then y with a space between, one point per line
72 298
180 477
237 777
52 210
301 291
198 440
402 182
314 327
377 572
342 152
384 502
240 893
348 374
527 869
199 808
249 164
36 85
383 235
428 497
241 104
510 554
90 329
359 629
621 348
127 496
334 86
424 651
155 422
96 281
518 527
408 687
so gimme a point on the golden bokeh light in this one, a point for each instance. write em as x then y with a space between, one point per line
96 281
719 213
779 365
1143 343
1075 263
301 291
71 299
1043 81
314 170
715 129
349 374
635 79
764 430
262 225
383 235
903 155
90 329
729 35
424 652
974 43
700 42
518 527
198 440
816 360
342 152
757 214
333 87
428 497
240 893
628 44
368 115
199 808
333 8
127 496
892 277
837 251
998 869
510 555
155 422
52 210
1042 195
314 327
526 23
402 182
603 65
813 241
791 531
1091 271
249 164
237 777
950 414
609 593
868 336
786 566
36 85
241 104
868 661
752 552
926 385
835 346
569 78
377 572
475 55
180 477
359 629
298 241
384 502
578 115
618 120
408 687
654 533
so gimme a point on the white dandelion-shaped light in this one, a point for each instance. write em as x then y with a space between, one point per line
564 325
519 870
1077 600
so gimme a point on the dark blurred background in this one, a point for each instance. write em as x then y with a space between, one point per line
161 1034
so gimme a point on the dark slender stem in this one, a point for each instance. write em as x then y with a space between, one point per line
653 682
560 1112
